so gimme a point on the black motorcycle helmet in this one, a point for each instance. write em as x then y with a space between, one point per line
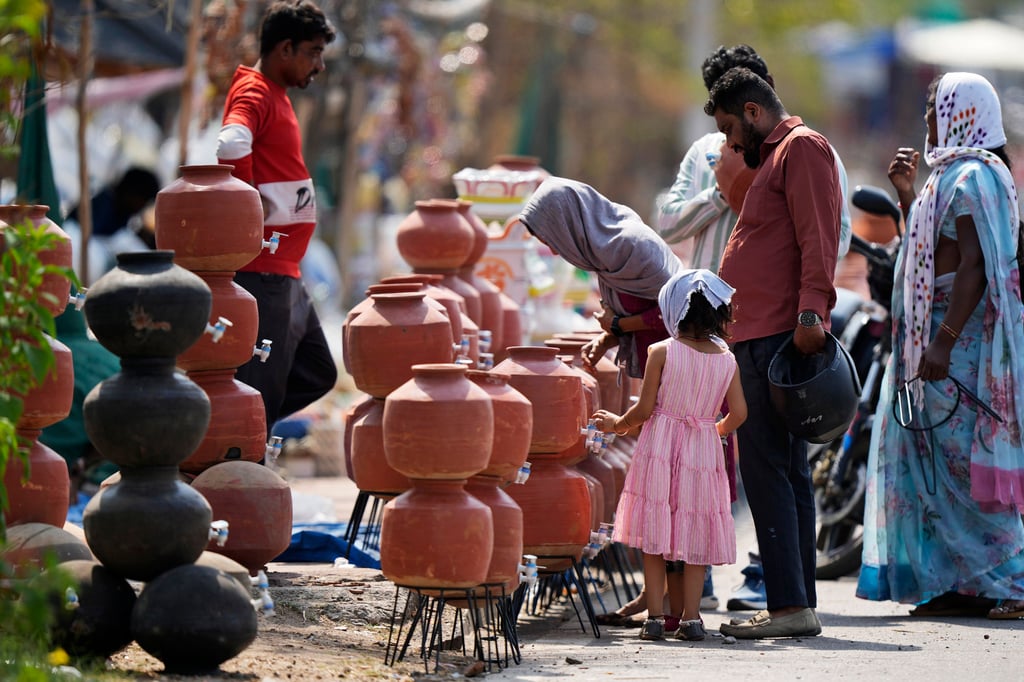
816 395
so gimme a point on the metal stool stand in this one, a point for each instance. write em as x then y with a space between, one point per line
428 618
565 580
495 624
489 621
371 534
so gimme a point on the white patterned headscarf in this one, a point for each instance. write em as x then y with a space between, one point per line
969 122
674 298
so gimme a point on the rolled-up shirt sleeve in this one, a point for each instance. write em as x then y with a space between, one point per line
812 194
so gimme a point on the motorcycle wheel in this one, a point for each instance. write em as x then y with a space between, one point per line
840 516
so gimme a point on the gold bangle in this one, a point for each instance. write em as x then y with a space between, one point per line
949 330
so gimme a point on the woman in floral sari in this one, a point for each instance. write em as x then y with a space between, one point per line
943 513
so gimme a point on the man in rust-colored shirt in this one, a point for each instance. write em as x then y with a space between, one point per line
780 258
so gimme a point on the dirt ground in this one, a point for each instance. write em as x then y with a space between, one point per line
328 624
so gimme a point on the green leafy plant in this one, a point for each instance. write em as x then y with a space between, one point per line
25 322
28 598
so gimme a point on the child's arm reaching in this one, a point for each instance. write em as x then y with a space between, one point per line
737 407
637 414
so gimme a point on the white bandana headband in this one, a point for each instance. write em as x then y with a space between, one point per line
674 297
969 121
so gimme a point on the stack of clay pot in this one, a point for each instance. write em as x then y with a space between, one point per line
513 431
590 462
438 431
556 501
214 224
382 343
44 497
437 239
149 525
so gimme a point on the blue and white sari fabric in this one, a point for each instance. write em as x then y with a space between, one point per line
943 507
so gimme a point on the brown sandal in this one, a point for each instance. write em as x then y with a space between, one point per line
1007 609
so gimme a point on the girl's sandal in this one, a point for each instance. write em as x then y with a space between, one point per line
1008 609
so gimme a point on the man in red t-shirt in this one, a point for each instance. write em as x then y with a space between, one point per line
260 137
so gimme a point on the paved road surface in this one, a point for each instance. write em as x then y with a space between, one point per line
862 640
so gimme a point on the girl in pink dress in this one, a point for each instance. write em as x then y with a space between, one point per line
674 507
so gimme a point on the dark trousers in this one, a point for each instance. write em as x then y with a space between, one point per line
300 368
777 483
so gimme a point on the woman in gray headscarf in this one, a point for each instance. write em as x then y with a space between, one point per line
630 260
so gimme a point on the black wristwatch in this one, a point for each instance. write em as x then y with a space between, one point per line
616 329
808 318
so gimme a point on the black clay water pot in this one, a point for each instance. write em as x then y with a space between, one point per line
100 625
147 523
148 306
147 414
193 618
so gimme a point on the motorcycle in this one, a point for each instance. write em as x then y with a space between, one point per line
839 469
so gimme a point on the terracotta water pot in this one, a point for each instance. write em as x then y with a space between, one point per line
396 332
210 219
147 306
469 294
604 472
577 452
556 512
194 618
235 346
513 423
50 401
371 471
511 327
238 422
29 545
147 414
597 497
491 316
434 237
355 411
100 625
55 288
454 304
507 520
436 535
366 303
256 503
606 371
438 424
147 523
44 497
555 392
